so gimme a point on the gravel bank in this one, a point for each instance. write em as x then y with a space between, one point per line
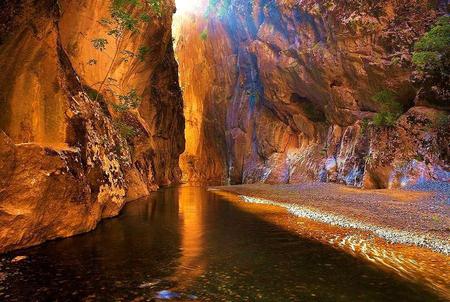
419 216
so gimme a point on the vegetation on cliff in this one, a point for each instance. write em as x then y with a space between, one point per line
431 52
391 109
127 18
431 57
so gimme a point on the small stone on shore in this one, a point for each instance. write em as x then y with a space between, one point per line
18 259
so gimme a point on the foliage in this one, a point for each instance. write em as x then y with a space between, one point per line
93 94
100 43
391 109
126 131
438 38
429 51
387 99
426 60
156 6
124 19
442 120
386 119
128 101
204 34
364 126
142 53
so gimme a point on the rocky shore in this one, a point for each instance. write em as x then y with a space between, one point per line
418 216
383 227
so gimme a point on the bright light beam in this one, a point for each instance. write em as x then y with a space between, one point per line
190 6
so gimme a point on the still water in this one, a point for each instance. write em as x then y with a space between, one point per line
188 244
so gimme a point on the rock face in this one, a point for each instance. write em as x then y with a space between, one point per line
70 156
277 91
207 89
286 91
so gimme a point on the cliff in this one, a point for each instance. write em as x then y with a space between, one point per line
91 113
280 91
293 91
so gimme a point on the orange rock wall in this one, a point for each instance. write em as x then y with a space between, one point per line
65 162
295 101
206 92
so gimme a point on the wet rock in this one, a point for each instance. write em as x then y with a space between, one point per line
149 284
18 259
167 295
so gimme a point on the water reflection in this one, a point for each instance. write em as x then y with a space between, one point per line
192 261
191 244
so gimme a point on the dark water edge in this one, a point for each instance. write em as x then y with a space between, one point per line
191 245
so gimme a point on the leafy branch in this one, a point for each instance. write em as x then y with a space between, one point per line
123 21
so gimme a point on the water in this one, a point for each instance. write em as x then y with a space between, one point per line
188 244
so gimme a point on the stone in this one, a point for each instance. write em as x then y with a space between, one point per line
277 90
18 259
64 161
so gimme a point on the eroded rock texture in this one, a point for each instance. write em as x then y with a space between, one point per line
288 88
67 156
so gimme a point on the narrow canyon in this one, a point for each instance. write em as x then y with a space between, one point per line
286 91
343 102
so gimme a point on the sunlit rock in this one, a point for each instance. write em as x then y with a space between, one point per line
69 155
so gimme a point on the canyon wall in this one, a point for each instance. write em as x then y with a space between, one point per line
207 75
297 91
91 113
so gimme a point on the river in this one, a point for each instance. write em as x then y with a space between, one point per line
188 244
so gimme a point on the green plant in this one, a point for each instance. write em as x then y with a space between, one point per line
436 218
395 61
142 53
391 109
430 51
121 22
99 43
126 131
204 34
93 94
156 6
442 120
368 159
385 119
128 101
419 157
364 126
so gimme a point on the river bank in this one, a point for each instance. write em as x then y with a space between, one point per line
405 231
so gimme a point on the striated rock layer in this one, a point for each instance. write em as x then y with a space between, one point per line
285 91
68 157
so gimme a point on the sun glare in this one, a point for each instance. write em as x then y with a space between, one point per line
189 6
